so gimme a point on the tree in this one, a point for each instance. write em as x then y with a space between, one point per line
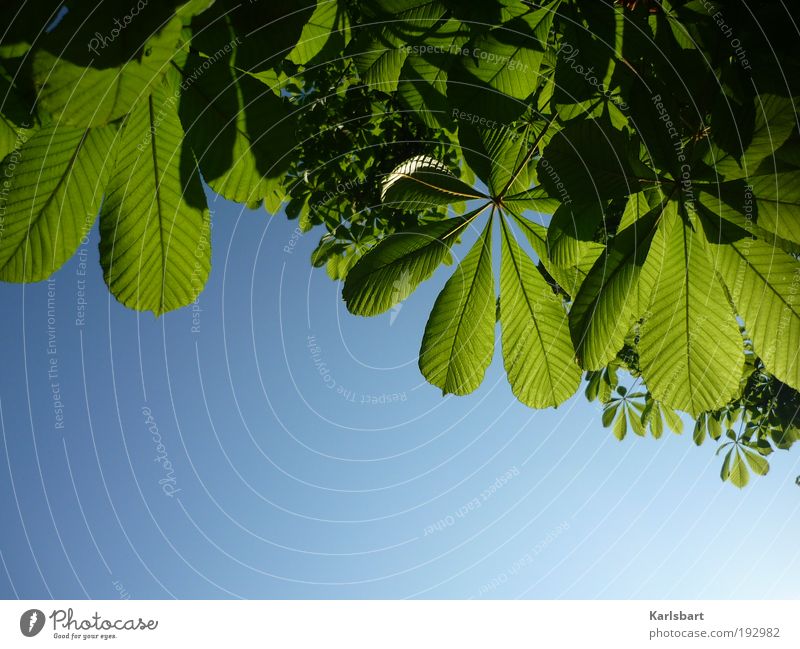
639 159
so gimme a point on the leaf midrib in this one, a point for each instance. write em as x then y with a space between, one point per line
157 199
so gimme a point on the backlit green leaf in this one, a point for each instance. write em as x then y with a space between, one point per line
155 245
390 271
537 350
459 338
51 194
690 360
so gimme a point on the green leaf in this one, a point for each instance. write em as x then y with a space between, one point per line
765 206
757 463
16 121
536 199
621 425
327 28
636 422
763 284
592 390
338 266
262 34
637 207
606 304
571 234
84 83
739 475
656 422
459 338
51 193
673 420
422 86
699 434
154 226
690 348
240 132
390 271
777 198
608 383
609 412
379 63
381 48
422 89
499 69
537 350
569 279
187 9
498 156
540 21
571 247
714 427
423 181
774 122
587 163
725 472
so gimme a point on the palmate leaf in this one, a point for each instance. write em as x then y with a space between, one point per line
89 87
607 303
459 338
154 226
52 188
690 347
423 181
390 271
763 283
537 349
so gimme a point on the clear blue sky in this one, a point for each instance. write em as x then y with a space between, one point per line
330 469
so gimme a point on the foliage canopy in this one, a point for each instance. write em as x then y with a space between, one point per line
638 162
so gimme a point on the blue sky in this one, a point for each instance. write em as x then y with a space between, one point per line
271 445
